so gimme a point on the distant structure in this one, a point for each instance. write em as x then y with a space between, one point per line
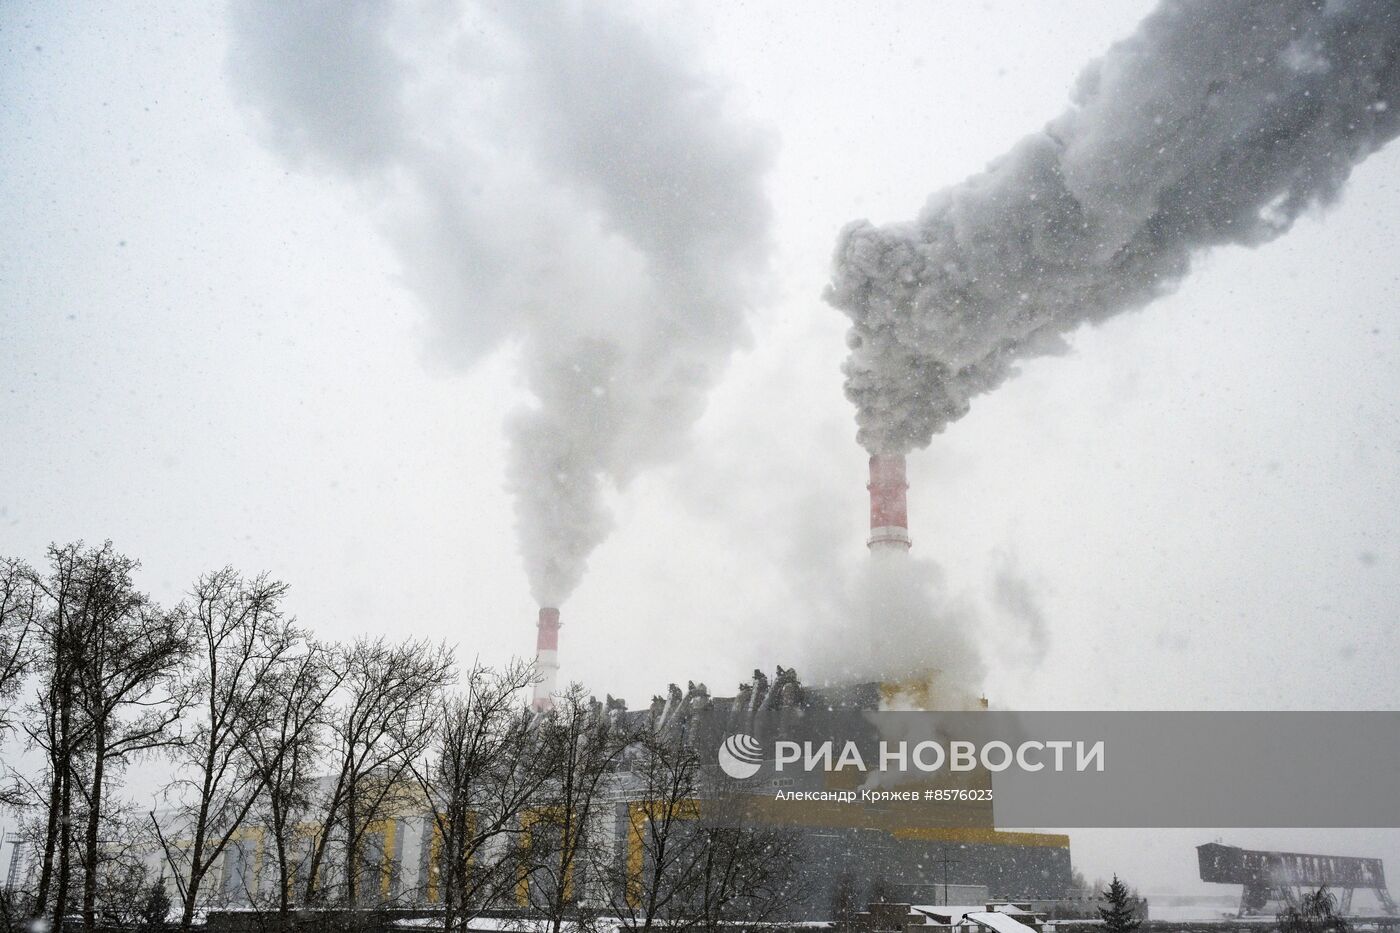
889 509
1283 877
16 864
546 658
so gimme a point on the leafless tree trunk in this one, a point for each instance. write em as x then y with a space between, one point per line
125 681
244 648
99 648
655 877
582 744
54 724
122 878
747 873
483 772
693 857
381 723
288 752
66 843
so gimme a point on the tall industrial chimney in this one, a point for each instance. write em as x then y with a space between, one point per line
546 658
889 513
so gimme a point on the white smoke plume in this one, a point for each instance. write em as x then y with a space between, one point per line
1215 123
880 616
1024 629
556 177
910 623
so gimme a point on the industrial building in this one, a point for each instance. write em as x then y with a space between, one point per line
854 856
1280 879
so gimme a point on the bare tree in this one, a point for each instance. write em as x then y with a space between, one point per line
382 722
19 606
288 752
692 858
121 874
582 744
483 772
244 646
127 693
655 874
54 723
747 873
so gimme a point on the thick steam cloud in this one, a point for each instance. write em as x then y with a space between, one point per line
1215 123
556 178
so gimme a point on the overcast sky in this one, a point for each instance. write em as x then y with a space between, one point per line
212 357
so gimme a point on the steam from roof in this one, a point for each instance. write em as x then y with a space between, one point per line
1215 123
553 177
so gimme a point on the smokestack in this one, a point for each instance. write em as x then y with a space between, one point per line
889 514
547 658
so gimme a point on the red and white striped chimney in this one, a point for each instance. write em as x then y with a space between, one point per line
546 658
889 512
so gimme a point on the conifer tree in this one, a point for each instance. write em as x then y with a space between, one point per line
155 908
1120 916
